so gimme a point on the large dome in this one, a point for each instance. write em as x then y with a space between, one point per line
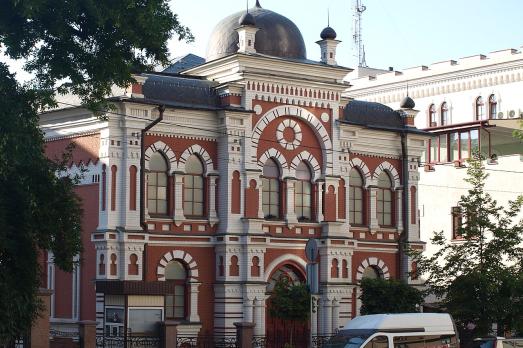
278 36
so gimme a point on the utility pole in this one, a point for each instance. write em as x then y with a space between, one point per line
359 8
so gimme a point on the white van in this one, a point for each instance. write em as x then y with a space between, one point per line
410 330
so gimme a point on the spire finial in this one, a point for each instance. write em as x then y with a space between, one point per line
407 88
258 3
328 17
247 6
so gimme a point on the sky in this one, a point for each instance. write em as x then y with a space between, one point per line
396 33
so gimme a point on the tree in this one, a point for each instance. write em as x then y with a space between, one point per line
477 277
518 133
389 296
290 302
80 47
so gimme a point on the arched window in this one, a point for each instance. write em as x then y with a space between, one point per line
480 110
302 192
384 200
444 114
335 271
175 303
355 197
157 185
433 122
492 107
193 191
271 190
371 273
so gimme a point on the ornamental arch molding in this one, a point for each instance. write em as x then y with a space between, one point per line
291 258
387 167
311 160
303 114
201 153
278 157
178 255
162 147
378 264
364 170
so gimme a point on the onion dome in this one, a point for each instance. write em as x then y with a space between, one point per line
407 103
247 19
328 34
278 36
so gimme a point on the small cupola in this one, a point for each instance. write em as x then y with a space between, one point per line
407 110
328 44
247 33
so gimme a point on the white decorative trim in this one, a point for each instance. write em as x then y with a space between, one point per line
163 148
386 166
307 157
179 255
357 162
278 157
277 261
200 152
306 116
378 264
288 123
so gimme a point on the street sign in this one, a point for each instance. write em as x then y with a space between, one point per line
312 250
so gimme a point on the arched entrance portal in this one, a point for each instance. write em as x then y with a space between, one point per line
279 332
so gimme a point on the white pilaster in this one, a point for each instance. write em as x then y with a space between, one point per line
178 198
374 226
193 293
290 216
213 217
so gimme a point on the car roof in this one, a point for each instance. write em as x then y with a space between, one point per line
422 322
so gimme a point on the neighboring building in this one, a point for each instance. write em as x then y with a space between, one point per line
467 104
257 152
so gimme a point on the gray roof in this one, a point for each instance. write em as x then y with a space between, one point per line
183 63
377 116
181 91
278 36
369 113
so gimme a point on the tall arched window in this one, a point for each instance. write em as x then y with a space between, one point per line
444 114
157 184
355 197
433 121
302 192
492 107
384 200
193 190
175 303
480 110
371 273
271 190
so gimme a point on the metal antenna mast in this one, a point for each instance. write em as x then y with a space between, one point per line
359 8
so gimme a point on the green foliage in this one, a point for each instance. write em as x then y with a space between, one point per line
477 278
518 133
290 301
82 47
389 296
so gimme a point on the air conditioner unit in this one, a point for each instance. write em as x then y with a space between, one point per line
511 114
500 115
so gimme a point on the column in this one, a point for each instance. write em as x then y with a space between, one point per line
248 310
372 208
193 293
259 317
335 315
290 217
320 200
178 198
399 209
259 186
327 315
213 217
